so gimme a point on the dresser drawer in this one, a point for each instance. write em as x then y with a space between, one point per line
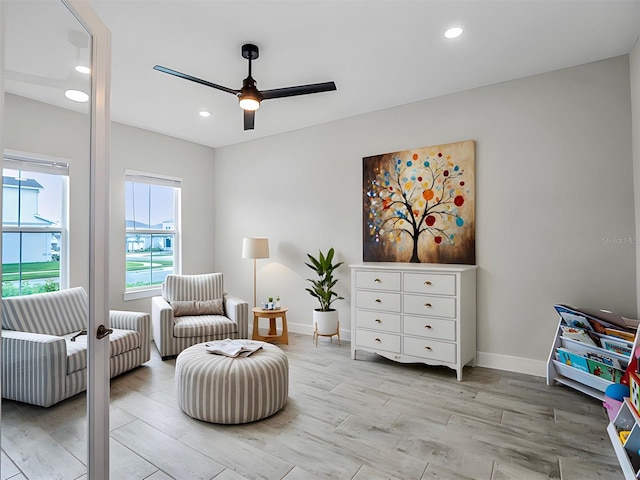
386 301
430 328
386 322
378 280
378 340
430 283
430 306
430 349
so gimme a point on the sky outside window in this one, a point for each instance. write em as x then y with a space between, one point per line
149 205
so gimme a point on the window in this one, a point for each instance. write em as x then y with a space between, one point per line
152 213
34 225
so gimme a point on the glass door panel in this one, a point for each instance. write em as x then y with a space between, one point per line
49 241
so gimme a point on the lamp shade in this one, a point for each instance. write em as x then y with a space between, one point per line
255 247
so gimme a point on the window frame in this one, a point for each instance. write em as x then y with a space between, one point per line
137 176
32 162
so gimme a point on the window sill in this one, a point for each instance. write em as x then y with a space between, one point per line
142 293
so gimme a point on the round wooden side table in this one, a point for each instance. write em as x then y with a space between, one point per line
273 335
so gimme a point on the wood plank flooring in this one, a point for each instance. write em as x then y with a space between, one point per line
369 419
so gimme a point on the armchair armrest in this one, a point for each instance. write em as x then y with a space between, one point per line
162 324
34 367
237 310
138 321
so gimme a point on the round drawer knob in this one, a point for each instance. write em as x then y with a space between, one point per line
378 320
428 326
378 300
378 340
377 280
427 283
428 305
428 349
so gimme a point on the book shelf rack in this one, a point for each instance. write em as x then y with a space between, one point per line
558 372
628 452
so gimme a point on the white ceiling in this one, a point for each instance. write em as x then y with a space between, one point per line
379 53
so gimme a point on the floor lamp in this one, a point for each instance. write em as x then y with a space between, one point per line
255 248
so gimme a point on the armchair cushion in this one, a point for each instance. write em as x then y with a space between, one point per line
120 341
76 354
197 307
52 313
203 325
193 287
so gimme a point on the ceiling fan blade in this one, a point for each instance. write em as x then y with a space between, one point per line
195 79
298 90
249 117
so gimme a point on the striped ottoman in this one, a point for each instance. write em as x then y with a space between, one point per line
221 389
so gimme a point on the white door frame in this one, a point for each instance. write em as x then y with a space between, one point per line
98 350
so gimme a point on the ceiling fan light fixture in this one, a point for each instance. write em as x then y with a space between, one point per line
249 96
249 103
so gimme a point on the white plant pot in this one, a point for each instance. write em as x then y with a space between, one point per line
325 323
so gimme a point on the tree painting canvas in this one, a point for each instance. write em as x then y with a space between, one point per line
419 205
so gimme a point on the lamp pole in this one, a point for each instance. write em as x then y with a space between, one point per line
254 282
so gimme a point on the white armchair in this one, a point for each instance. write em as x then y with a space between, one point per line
195 309
44 359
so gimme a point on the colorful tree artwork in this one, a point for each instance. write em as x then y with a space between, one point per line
419 205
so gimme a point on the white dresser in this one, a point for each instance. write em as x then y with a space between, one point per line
412 313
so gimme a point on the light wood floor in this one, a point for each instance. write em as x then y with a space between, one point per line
367 419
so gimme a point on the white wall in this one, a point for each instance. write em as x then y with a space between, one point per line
138 149
47 130
555 202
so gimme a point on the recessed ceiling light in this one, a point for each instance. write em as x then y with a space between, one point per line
76 96
83 69
453 32
205 114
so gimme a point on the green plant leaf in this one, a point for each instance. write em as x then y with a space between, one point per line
323 286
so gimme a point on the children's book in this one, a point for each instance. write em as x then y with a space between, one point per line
572 318
597 320
628 336
621 347
573 359
598 357
577 334
605 371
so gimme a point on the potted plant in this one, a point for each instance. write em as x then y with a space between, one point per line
325 318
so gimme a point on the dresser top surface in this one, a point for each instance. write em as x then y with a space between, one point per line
433 267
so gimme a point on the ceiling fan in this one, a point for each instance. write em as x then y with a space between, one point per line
249 96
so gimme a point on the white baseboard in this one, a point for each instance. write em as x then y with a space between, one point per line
512 364
483 359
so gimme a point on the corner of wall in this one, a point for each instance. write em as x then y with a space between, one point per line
634 82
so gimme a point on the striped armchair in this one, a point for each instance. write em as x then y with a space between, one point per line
195 309
44 361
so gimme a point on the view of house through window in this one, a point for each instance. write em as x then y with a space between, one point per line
152 229
34 222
